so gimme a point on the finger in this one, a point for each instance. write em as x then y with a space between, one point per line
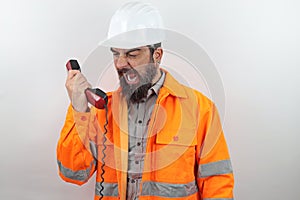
72 74
84 86
71 81
79 80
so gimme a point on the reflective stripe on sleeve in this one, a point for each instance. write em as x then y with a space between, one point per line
218 199
110 189
169 190
80 175
214 168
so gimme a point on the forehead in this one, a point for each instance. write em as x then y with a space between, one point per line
141 49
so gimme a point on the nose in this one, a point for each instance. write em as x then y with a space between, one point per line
121 62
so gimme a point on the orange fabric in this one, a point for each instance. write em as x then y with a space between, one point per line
184 132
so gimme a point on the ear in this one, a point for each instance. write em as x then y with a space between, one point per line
157 55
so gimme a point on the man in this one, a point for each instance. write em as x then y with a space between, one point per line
162 140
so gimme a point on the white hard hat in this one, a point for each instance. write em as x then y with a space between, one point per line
133 25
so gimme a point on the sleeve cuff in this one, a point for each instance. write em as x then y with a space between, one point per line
81 118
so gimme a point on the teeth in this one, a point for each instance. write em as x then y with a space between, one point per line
131 79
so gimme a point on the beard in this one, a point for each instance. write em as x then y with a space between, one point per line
138 91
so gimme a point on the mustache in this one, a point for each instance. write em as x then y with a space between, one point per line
123 71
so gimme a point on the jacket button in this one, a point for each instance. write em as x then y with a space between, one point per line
175 138
83 118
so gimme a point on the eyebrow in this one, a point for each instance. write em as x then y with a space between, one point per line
129 51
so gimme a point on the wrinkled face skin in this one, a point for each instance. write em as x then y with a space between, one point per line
137 71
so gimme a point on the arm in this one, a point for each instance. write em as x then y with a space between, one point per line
214 173
75 160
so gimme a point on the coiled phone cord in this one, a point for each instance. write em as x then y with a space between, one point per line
103 153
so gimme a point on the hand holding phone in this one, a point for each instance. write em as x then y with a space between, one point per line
95 96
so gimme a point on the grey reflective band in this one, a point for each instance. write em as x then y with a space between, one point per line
94 149
168 189
110 189
80 175
218 199
215 168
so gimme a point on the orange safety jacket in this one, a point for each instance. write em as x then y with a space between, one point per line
186 153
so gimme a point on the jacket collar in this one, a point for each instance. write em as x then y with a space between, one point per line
172 86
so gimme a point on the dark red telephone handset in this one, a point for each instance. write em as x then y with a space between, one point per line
95 96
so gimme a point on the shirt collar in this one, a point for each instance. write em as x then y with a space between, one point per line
155 88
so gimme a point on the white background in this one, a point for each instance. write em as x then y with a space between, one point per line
254 44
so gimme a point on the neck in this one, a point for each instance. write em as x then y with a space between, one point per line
157 76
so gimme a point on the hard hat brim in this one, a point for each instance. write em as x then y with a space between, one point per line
135 38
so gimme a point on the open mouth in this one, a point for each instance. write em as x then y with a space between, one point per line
131 77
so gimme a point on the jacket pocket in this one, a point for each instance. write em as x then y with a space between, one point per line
174 155
182 137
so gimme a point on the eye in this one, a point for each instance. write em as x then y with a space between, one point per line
132 55
116 54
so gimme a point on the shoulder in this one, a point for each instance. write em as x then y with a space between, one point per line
176 89
203 102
